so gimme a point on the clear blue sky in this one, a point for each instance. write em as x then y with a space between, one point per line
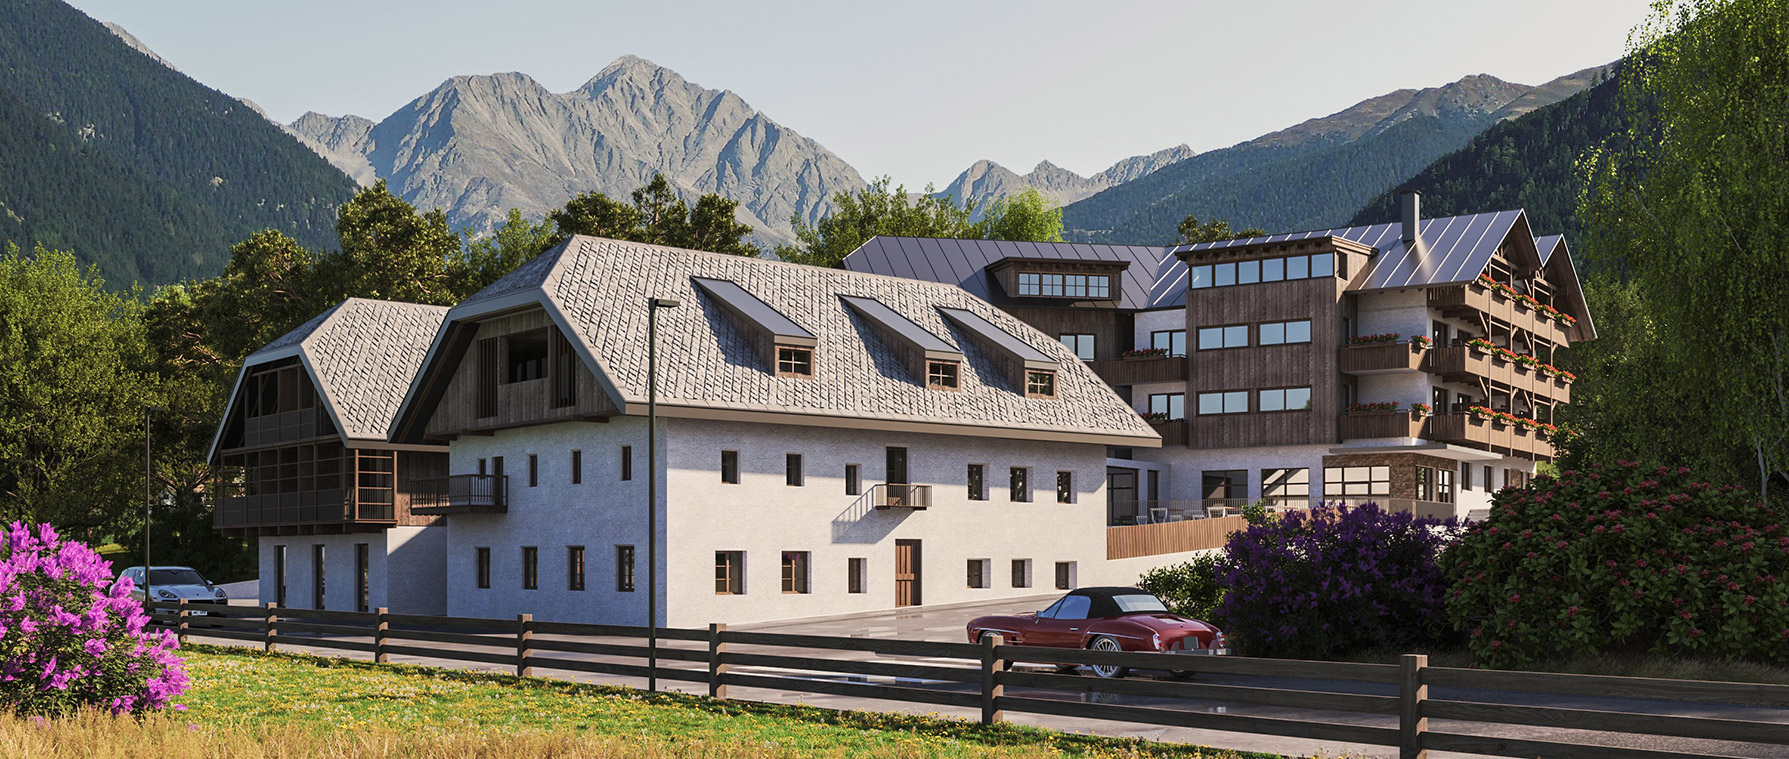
917 90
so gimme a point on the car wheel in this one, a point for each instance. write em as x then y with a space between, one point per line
1103 643
1181 674
1005 667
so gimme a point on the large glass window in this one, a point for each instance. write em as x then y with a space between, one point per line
1171 340
1214 338
1232 402
1172 404
1286 399
1356 481
1286 487
1035 284
1281 333
1226 486
1081 344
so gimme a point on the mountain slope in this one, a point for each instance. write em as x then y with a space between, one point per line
1528 163
988 181
1311 175
126 129
477 146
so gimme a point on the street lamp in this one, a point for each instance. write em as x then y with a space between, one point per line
652 307
148 499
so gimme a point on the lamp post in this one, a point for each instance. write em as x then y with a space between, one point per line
652 307
148 500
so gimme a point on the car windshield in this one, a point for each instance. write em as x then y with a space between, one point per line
1134 603
175 577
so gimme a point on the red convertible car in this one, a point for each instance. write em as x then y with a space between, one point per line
1106 619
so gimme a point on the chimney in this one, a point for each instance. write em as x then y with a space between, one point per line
1411 202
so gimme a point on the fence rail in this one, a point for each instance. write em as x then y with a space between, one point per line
972 676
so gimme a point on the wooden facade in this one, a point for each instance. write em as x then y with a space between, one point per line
496 386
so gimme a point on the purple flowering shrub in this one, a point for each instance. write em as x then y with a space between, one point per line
1334 581
1623 557
69 640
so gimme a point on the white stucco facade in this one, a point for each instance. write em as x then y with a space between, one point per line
404 565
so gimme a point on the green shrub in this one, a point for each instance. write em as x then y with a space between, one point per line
1190 589
1621 558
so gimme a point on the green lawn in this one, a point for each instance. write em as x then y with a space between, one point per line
241 689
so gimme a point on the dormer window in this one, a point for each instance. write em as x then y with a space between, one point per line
792 361
1040 384
943 375
1043 285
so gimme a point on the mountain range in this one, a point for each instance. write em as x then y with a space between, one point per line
986 180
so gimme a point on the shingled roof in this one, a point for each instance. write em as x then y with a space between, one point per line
360 355
596 290
1457 249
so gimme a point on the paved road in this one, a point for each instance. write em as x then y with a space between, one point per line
946 624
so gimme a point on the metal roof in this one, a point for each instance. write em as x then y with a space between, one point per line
1000 339
756 311
903 328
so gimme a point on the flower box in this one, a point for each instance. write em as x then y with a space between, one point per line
1144 353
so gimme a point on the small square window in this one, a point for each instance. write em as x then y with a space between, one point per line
1248 272
1040 384
943 375
795 571
1021 573
794 362
1065 575
978 573
729 573
1273 270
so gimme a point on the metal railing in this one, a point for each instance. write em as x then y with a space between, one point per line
895 495
461 493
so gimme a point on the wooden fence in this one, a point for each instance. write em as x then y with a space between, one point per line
977 677
1131 541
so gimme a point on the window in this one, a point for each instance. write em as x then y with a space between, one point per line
1172 404
279 575
1065 487
1438 399
1172 340
792 470
1323 264
1082 345
574 567
484 566
1214 338
1199 277
1035 284
1286 487
1021 485
1356 481
1233 402
1228 485
497 467
1444 485
1074 607
1465 476
795 571
729 573
794 362
978 573
1273 270
624 569
530 568
363 578
1489 488
730 467
481 467
1065 575
1283 333
1298 267
577 467
1040 384
1021 573
1248 272
853 480
1438 332
527 356
1286 399
317 577
1223 275
978 486
943 375
855 571
1425 483
627 462
533 470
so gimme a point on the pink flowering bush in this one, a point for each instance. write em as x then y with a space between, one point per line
69 639
1623 557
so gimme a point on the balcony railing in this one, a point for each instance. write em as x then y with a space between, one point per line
1461 362
1380 424
1130 371
461 494
894 495
1379 358
311 507
1173 431
1491 434
1477 297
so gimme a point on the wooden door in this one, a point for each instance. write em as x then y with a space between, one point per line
907 573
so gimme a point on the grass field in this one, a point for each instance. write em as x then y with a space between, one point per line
248 704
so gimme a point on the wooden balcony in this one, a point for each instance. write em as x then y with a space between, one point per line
894 495
331 509
1495 436
1130 371
461 494
1380 424
1173 431
1461 300
284 427
1379 358
1463 363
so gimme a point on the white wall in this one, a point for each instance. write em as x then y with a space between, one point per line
763 516
1405 312
1148 322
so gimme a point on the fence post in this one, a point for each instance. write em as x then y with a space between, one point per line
524 644
991 688
180 628
380 625
1412 692
268 626
717 671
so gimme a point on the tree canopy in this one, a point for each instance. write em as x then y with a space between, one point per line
659 217
877 210
1216 230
